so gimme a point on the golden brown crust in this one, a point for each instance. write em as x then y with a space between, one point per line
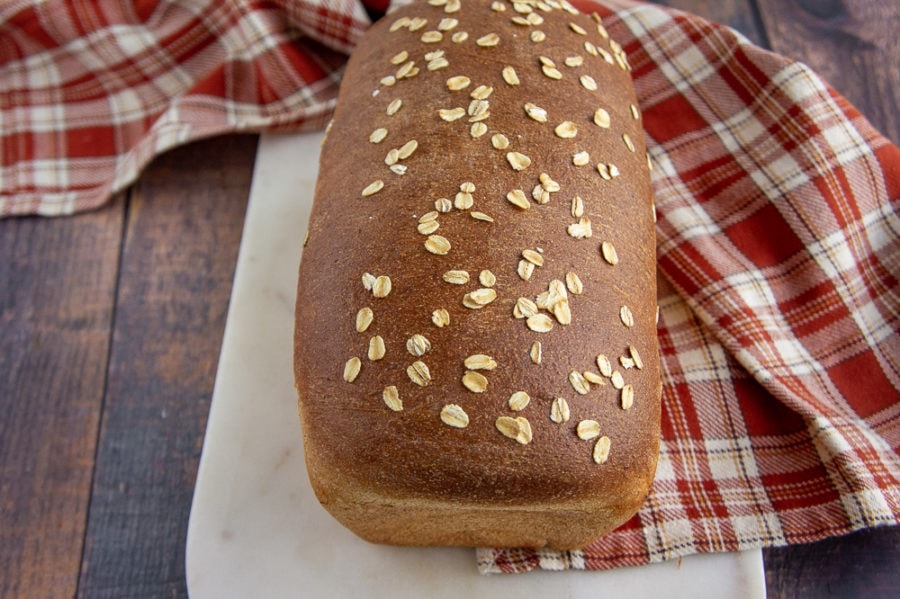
405 475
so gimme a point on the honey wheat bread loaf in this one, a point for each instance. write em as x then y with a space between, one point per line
475 344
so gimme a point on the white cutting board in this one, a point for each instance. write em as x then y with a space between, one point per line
256 529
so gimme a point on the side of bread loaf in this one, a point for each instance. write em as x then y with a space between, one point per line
475 346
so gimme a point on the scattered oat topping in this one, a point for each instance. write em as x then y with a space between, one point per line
400 24
518 401
588 82
515 428
455 416
499 141
479 298
440 318
376 348
581 158
418 345
480 362
536 352
602 118
604 365
609 253
524 308
431 37
548 184
456 277
419 374
394 106
488 41
616 379
407 149
539 323
540 195
579 383
443 205
518 161
577 207
437 63
378 135
364 318
601 450
535 112
382 286
636 357
559 410
551 306
437 244
626 316
587 430
475 381
607 171
593 378
373 188
533 256
627 397
452 114
562 312
417 23
574 284
517 198
457 83
482 92
351 369
428 227
510 75
577 28
391 398
581 229
552 72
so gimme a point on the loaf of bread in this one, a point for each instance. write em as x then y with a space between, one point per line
475 347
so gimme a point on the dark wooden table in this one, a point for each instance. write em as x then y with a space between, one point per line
111 324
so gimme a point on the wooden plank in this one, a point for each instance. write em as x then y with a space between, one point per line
184 225
853 44
56 304
863 564
737 14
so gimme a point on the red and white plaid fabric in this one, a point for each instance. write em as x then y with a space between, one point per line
778 235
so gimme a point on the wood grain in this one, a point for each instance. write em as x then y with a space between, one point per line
862 564
183 231
56 305
853 44
737 14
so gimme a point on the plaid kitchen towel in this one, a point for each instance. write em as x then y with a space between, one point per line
778 234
